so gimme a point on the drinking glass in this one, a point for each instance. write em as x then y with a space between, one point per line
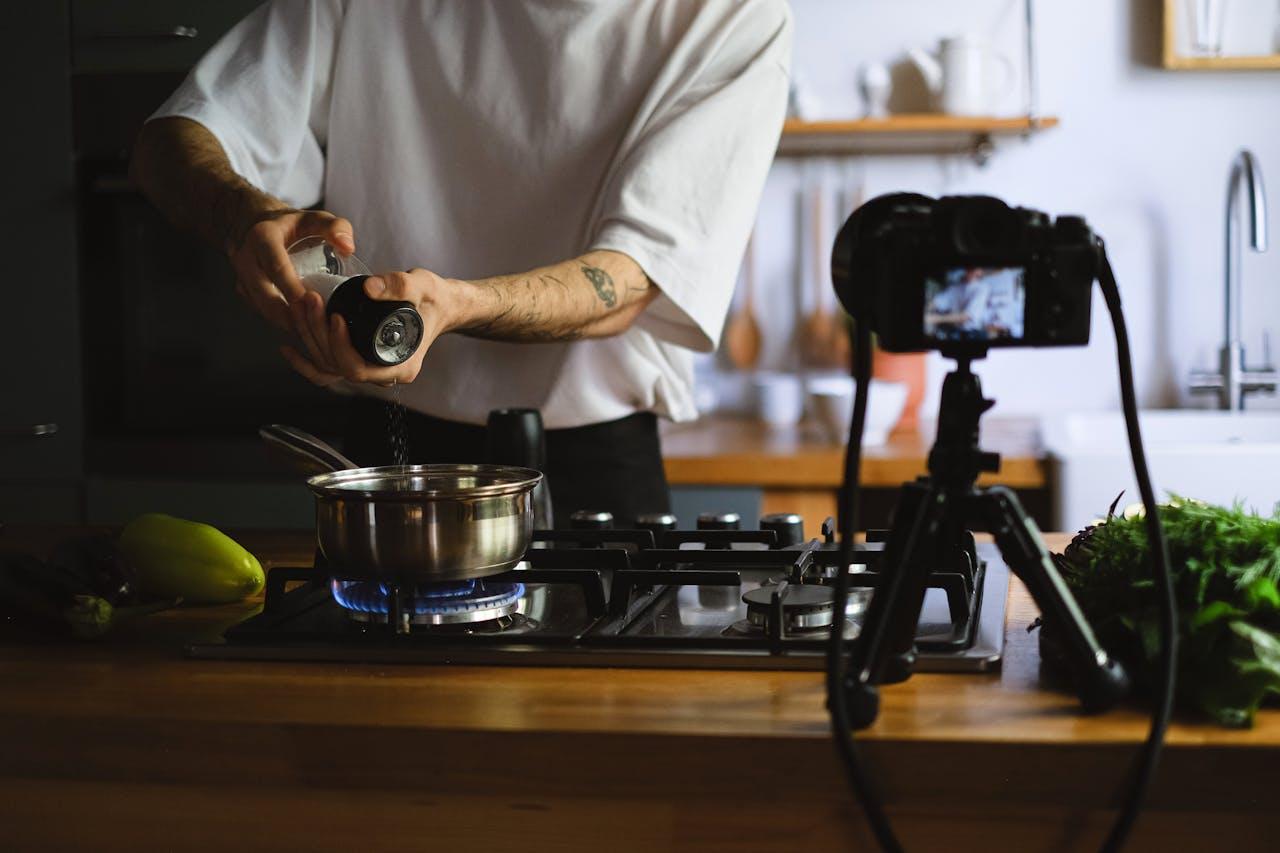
1206 26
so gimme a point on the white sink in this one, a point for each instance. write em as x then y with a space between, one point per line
1219 457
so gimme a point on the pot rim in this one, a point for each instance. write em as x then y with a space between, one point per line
507 480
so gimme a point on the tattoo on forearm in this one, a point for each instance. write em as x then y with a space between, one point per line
603 284
540 306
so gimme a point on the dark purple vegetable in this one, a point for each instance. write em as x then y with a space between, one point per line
31 594
95 562
60 596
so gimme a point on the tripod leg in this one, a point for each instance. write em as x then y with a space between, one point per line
884 650
1100 681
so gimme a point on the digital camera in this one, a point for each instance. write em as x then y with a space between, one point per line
961 274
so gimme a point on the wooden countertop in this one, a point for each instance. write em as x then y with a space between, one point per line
742 451
140 747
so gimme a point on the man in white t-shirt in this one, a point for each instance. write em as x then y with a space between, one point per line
569 184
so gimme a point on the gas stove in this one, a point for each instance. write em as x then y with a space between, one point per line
654 596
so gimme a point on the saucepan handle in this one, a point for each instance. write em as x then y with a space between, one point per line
304 449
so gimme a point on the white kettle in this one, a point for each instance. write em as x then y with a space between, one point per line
967 77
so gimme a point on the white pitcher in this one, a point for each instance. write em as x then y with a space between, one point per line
967 78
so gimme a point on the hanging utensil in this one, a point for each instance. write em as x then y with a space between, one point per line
742 338
824 341
841 331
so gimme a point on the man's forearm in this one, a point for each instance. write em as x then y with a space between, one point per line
596 295
182 169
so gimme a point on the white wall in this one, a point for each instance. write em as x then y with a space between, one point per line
1141 152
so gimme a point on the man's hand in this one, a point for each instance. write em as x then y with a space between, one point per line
596 295
259 254
330 356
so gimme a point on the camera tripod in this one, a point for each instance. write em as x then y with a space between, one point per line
929 526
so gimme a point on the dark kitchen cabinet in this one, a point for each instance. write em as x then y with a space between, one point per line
148 35
182 372
85 73
40 344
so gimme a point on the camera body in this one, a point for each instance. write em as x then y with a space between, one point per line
962 274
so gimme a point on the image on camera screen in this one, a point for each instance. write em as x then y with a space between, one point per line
975 304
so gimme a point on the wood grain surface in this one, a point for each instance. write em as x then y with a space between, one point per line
919 123
126 745
723 450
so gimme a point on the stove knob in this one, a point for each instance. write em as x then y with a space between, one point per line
719 521
656 521
586 519
787 526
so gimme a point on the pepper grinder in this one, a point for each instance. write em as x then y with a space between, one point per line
384 333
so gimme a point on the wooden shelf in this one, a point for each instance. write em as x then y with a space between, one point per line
919 123
1223 63
930 133
1175 61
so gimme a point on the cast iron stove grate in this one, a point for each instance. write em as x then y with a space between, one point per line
682 599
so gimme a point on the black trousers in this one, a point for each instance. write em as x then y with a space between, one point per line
614 466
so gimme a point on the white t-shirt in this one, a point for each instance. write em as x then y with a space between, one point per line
481 137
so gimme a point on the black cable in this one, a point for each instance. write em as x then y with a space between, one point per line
837 697
1149 755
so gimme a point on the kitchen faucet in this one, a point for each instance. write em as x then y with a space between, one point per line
1233 380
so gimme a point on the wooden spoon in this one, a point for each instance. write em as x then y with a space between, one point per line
742 332
841 332
824 341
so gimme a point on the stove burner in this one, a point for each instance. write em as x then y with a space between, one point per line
621 597
806 607
448 603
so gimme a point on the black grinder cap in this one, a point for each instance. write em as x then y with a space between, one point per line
384 333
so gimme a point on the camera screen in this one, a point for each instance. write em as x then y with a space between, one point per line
975 304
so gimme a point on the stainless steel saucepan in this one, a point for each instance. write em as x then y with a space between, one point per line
413 523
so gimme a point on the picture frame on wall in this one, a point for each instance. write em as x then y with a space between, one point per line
1221 35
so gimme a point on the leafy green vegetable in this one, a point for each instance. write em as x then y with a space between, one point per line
1226 572
90 616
